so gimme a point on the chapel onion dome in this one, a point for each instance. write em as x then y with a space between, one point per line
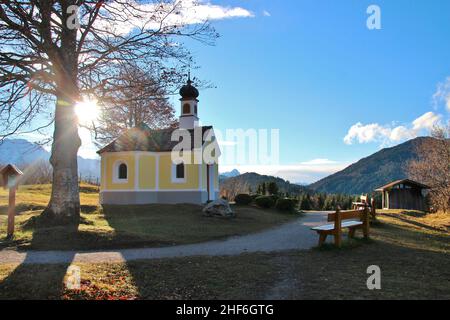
188 91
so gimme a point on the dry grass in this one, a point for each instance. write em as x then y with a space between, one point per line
412 250
413 262
129 226
438 221
413 259
36 197
182 278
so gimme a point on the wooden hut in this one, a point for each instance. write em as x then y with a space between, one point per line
403 194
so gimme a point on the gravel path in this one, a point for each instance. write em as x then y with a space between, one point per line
293 235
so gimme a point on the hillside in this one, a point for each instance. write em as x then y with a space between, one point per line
374 171
250 181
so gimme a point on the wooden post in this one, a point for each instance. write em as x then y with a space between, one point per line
10 174
366 222
351 232
322 238
373 209
337 228
11 211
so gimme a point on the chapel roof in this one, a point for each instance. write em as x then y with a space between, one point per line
142 138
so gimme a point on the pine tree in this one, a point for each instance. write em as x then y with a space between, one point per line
272 188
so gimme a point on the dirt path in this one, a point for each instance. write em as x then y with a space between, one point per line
288 283
290 236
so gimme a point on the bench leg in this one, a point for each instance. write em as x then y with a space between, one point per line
366 232
322 238
351 232
337 240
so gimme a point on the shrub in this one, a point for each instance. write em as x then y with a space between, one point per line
243 199
274 198
264 202
285 204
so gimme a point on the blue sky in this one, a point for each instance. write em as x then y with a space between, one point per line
313 69
336 90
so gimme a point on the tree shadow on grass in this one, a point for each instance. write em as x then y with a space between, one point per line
21 208
412 222
406 272
162 278
31 281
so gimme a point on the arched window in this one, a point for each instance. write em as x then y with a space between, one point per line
195 108
123 171
180 171
186 108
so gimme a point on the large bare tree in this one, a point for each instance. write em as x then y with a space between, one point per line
433 167
141 97
57 51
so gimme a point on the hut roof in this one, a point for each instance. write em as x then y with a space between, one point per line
403 181
10 168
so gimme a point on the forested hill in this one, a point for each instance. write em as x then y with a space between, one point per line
248 183
374 171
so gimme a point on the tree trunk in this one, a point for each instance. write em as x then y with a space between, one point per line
64 205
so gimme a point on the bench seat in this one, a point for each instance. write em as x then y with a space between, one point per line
345 224
349 219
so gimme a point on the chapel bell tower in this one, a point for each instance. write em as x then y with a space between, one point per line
189 112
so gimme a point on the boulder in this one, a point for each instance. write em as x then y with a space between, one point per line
218 208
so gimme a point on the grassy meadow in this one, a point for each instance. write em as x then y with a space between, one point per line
413 256
125 226
411 248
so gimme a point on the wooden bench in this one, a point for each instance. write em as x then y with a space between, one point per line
357 219
365 202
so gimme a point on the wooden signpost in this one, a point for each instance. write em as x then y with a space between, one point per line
9 176
373 210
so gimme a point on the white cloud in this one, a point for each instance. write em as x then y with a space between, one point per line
442 94
266 13
388 134
365 133
304 172
401 133
318 162
427 121
154 15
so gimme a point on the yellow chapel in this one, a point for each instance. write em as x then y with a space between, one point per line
139 167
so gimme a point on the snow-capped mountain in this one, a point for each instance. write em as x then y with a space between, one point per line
23 152
231 174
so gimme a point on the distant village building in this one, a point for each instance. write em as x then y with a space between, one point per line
138 168
403 194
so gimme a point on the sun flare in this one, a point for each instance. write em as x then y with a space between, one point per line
87 111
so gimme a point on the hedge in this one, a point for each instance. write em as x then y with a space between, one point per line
243 199
264 202
285 204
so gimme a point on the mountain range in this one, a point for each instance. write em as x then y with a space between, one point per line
23 152
363 176
369 173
